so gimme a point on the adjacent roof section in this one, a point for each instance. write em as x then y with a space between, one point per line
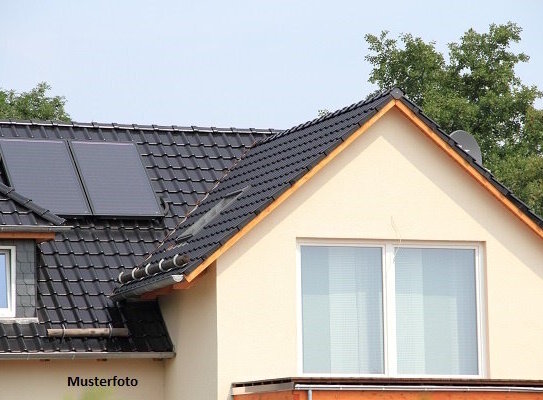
270 168
78 270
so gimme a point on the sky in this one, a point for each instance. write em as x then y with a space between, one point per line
259 64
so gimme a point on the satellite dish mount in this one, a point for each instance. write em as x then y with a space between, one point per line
467 142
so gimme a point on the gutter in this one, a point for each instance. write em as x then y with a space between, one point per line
310 388
91 355
422 388
147 287
34 228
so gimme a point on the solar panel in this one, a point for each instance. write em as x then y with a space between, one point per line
43 171
115 180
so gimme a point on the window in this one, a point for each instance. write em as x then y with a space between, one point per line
407 310
7 282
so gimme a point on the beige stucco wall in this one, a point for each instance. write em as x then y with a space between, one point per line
48 380
191 320
391 183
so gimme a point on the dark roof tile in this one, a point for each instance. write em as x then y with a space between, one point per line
79 269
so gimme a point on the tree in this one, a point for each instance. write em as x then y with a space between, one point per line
34 104
475 89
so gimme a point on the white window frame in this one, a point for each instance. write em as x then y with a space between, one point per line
389 300
9 312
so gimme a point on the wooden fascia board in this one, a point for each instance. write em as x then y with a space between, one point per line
481 179
37 236
423 127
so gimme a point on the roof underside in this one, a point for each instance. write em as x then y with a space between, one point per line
78 271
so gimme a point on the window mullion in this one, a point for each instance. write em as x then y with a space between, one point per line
390 311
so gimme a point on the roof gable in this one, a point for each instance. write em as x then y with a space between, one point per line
271 168
274 168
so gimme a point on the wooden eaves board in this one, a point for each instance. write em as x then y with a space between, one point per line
37 236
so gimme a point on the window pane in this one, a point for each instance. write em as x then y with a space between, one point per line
436 318
342 309
3 282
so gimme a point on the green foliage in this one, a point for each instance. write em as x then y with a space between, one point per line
34 104
476 89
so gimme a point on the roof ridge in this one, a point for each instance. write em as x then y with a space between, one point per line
334 114
27 203
152 127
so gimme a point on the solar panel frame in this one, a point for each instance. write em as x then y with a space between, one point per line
87 180
59 202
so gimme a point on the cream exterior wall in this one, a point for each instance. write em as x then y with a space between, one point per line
391 183
191 319
48 380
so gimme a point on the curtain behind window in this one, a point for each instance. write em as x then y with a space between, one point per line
3 282
342 310
436 320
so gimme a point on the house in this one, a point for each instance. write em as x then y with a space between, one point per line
362 254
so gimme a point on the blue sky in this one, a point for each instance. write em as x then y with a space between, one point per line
236 63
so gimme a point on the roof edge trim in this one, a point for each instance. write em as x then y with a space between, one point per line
474 173
34 228
92 355
136 127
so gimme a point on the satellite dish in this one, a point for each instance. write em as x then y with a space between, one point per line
468 143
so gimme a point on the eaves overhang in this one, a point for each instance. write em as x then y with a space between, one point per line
91 355
34 228
142 287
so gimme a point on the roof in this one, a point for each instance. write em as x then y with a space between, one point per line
270 168
229 176
78 270
17 210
